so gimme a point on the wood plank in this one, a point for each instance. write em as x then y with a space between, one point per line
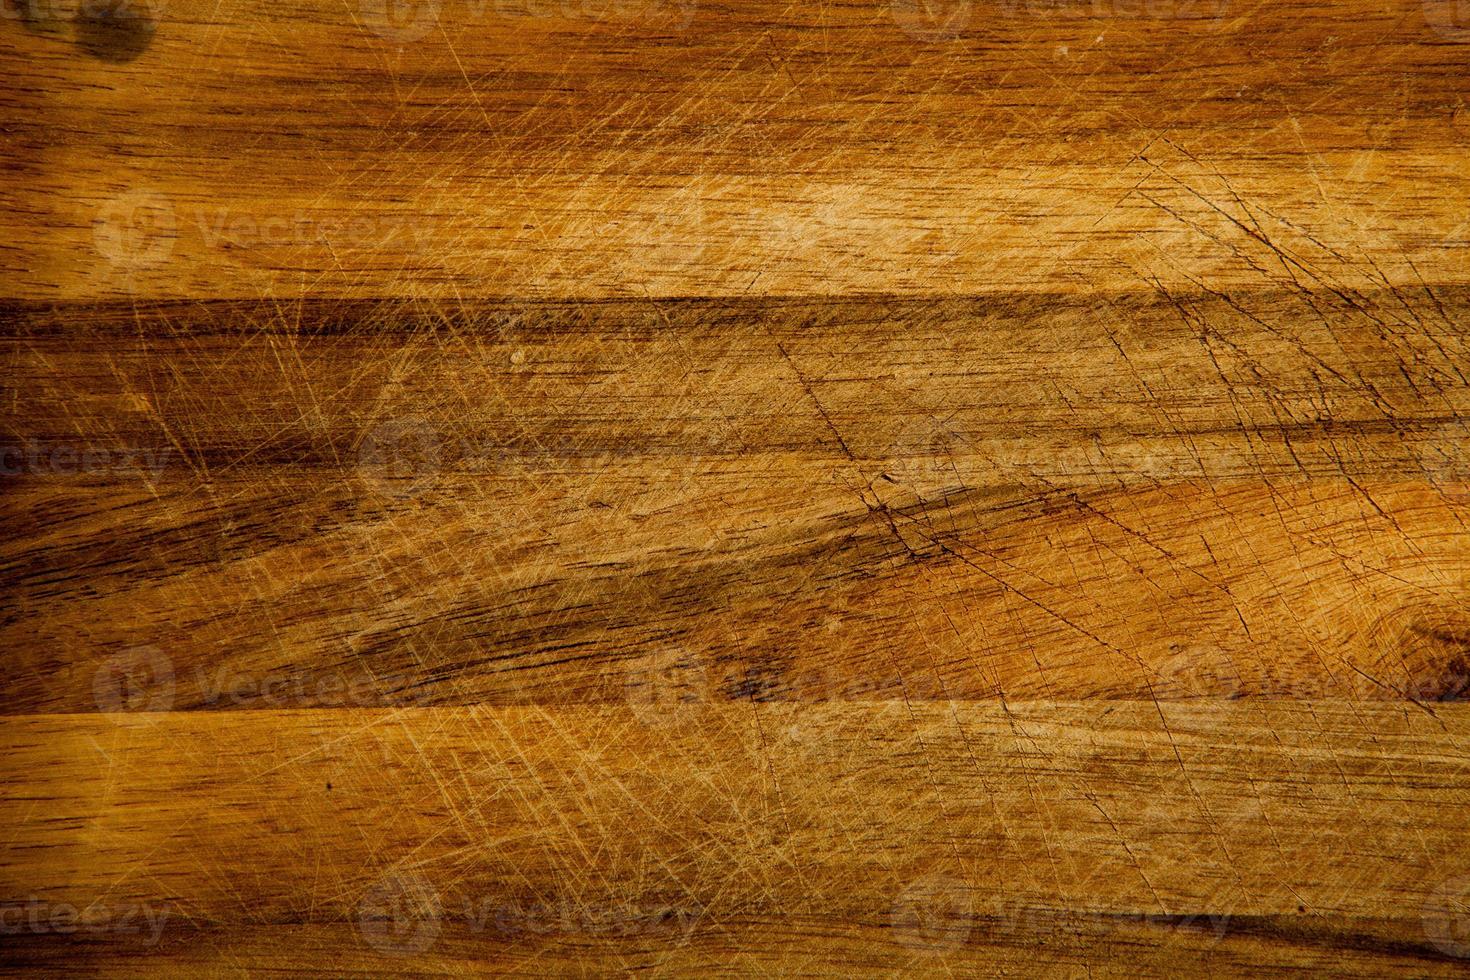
1205 497
1053 944
1295 820
256 147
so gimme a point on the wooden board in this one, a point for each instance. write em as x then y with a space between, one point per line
580 148
577 488
1143 837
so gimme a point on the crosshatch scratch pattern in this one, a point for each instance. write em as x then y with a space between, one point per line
579 487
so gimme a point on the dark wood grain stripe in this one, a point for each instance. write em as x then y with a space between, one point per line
1207 496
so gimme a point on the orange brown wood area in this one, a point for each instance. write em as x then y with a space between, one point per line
579 487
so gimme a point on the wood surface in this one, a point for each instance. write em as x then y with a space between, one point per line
584 487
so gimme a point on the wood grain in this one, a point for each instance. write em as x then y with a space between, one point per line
607 148
1241 834
1219 496
613 486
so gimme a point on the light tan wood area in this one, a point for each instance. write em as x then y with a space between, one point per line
675 147
886 835
573 488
